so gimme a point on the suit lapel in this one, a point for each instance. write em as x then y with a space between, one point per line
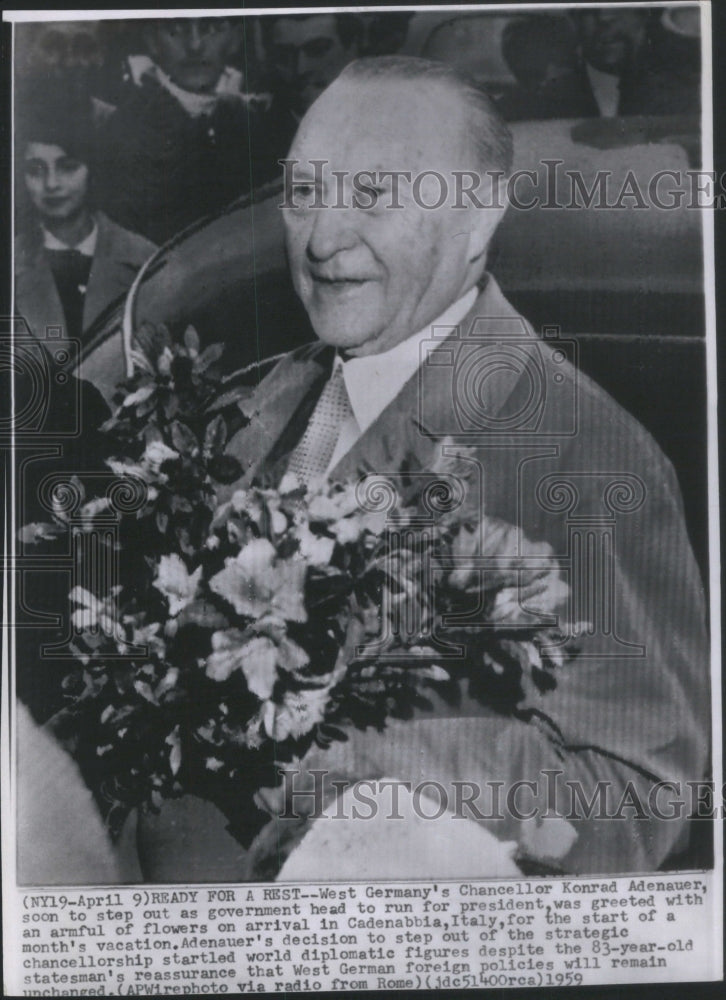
407 432
36 293
278 410
108 277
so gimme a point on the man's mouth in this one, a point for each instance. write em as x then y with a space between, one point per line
55 200
338 281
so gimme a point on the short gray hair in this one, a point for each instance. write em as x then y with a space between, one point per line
489 135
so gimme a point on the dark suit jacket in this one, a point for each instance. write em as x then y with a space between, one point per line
561 459
163 169
118 256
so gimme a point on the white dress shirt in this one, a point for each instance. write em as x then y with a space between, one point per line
87 246
374 381
229 85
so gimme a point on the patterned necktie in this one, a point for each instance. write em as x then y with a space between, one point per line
311 457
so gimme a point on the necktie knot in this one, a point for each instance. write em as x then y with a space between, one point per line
311 457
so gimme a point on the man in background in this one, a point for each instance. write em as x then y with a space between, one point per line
541 51
303 55
627 68
177 147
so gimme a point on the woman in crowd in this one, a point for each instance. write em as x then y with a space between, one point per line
71 261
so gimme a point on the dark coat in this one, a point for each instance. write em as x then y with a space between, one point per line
163 168
562 460
118 256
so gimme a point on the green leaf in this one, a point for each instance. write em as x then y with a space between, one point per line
140 396
184 439
32 534
215 436
239 394
191 339
208 356
225 468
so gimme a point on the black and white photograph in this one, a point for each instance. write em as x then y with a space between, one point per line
361 577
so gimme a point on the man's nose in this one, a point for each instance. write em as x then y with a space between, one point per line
194 38
333 231
302 63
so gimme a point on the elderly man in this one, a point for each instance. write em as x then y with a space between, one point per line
418 348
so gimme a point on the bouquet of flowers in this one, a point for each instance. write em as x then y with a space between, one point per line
238 631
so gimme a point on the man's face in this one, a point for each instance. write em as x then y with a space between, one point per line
56 183
306 55
371 277
61 47
611 38
193 52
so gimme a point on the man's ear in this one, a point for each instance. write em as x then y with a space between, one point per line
484 220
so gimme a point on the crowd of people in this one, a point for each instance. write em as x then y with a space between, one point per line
127 132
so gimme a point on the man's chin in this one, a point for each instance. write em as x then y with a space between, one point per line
196 83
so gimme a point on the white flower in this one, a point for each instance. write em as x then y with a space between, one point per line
247 502
256 585
156 454
334 505
315 549
124 469
163 362
173 740
256 658
297 715
289 484
89 510
348 529
148 635
94 613
176 583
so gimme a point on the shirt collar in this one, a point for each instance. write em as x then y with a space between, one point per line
374 381
87 246
195 105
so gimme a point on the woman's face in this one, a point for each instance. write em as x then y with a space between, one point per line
56 182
